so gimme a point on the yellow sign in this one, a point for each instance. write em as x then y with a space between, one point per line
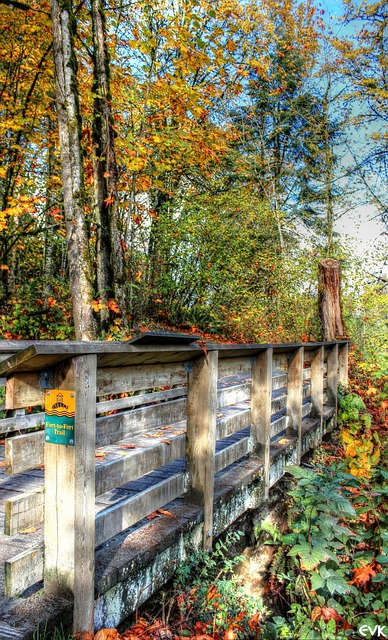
59 416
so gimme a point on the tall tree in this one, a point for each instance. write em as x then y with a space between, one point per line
275 132
109 250
365 63
74 196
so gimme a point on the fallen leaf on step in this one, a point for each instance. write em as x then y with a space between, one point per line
128 446
166 513
100 454
165 441
29 530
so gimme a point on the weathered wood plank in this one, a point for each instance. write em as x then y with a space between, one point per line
138 462
343 356
23 570
23 511
295 397
23 390
332 375
137 378
231 420
234 366
136 401
70 499
230 454
24 452
261 409
122 515
119 426
201 436
233 394
21 423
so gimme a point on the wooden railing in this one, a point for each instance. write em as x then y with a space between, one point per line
138 408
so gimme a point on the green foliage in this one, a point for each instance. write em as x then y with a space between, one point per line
57 633
207 591
337 553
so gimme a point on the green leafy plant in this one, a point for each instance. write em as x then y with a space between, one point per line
334 577
209 596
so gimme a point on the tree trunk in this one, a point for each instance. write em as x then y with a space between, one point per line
110 259
72 168
329 297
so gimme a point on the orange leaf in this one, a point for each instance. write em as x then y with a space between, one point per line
327 613
363 574
2 463
100 454
128 446
29 530
166 513
113 306
165 441
107 634
84 635
153 515
109 200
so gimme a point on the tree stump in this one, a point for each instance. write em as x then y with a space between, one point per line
329 298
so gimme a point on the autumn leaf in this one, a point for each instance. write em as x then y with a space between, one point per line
364 573
165 441
84 635
128 446
107 634
166 513
100 454
29 530
327 613
113 306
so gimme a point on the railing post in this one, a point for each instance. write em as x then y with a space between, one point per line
343 357
201 435
70 499
261 409
295 397
316 388
332 377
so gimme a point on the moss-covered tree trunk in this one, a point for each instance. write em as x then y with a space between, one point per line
63 25
329 294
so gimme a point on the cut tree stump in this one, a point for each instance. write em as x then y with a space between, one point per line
329 294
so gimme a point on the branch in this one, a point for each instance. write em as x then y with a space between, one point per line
16 4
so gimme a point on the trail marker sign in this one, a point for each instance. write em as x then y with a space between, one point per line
59 417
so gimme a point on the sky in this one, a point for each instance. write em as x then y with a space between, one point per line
362 228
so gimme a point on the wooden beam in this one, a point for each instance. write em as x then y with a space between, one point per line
137 378
317 368
24 452
124 514
21 423
201 436
70 500
295 397
343 357
118 426
261 409
230 454
23 390
23 570
23 511
332 376
137 463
